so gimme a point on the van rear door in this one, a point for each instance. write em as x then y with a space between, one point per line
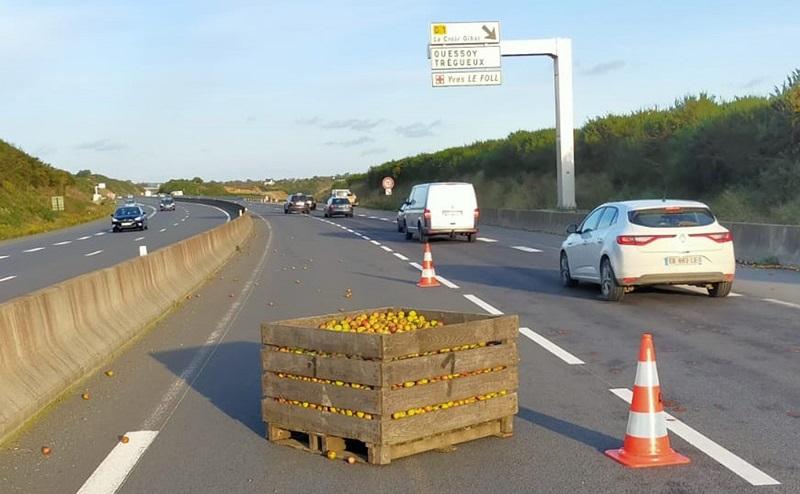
452 207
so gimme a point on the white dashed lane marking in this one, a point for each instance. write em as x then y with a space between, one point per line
8 278
65 242
374 242
112 472
137 239
484 305
387 249
4 257
162 230
551 347
724 457
84 238
99 234
400 256
781 302
488 240
35 249
525 249
90 254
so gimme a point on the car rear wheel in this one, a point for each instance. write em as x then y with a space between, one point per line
721 289
566 276
421 233
609 288
399 227
409 235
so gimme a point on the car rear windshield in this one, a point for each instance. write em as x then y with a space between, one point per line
299 198
167 201
127 212
671 217
340 201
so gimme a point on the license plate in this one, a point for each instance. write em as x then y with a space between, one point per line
683 260
451 213
127 223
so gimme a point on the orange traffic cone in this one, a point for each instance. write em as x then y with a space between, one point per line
646 441
428 277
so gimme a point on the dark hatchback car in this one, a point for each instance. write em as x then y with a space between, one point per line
297 203
129 217
338 205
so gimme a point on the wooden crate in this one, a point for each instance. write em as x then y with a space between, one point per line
379 362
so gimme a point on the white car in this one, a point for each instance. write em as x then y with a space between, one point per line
621 245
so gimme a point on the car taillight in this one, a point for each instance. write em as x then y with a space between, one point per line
426 213
640 239
720 238
477 213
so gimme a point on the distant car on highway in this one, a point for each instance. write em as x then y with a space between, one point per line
166 204
441 208
129 218
296 202
622 245
347 194
312 203
338 206
130 201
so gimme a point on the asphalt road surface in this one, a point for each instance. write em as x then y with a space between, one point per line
38 261
187 393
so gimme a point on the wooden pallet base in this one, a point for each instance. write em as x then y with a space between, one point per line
383 454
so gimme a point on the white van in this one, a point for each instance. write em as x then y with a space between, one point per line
442 208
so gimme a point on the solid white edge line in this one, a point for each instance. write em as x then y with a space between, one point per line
483 305
400 256
551 347
387 249
365 237
115 468
781 302
374 242
90 254
525 249
8 278
721 455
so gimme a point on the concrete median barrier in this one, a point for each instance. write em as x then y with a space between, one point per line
52 338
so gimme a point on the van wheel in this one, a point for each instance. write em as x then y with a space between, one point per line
471 237
422 237
566 276
409 235
399 227
609 288
721 289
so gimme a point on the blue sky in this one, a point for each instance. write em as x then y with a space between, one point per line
149 90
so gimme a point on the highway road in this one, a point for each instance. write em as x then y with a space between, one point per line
187 393
38 261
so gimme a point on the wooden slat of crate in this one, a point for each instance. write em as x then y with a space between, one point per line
419 426
341 368
313 421
364 400
364 345
412 369
449 438
490 328
454 389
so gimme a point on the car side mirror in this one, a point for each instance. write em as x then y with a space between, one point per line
572 229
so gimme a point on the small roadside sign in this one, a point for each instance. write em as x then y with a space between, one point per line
467 78
460 33
387 183
467 57
57 203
